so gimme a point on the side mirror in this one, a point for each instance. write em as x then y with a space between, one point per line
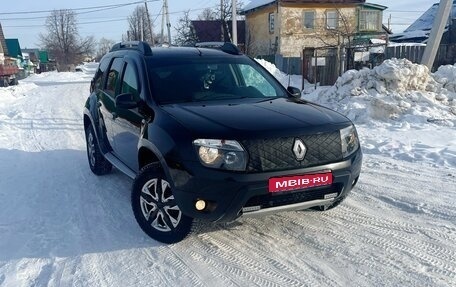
125 101
294 92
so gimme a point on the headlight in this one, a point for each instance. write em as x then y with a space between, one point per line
221 154
350 142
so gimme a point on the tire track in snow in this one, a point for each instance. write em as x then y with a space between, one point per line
152 263
274 231
244 266
203 264
334 239
177 261
390 239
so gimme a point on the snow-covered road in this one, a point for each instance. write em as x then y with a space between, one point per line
60 225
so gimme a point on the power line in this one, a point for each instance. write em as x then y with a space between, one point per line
44 17
96 22
403 11
113 6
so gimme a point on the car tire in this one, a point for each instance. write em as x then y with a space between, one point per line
155 208
97 162
14 82
4 83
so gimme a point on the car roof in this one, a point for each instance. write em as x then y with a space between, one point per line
206 50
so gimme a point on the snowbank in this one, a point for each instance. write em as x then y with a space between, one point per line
54 77
284 79
395 90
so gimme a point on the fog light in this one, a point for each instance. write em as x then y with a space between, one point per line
200 205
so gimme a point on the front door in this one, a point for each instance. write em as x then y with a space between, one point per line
127 124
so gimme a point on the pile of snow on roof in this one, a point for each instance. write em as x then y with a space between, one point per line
395 90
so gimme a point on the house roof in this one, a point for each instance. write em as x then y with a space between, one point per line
210 30
375 6
3 47
427 19
43 56
14 49
420 29
257 4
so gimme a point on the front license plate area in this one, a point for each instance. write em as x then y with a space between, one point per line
297 182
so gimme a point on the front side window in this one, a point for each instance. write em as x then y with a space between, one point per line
309 19
332 19
369 20
130 82
255 80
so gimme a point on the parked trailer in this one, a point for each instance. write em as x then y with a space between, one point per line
8 75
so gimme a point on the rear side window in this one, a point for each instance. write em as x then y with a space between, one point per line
113 76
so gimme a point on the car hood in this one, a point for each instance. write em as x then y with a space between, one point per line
247 118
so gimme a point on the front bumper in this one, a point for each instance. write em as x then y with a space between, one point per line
229 194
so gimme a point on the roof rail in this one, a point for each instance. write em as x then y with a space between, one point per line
226 47
140 46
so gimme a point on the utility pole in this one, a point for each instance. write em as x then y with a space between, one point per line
141 28
222 35
150 24
389 22
440 21
234 22
168 24
163 24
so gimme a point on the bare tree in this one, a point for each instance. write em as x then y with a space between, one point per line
225 13
104 45
225 10
62 39
339 35
139 28
185 33
208 14
342 33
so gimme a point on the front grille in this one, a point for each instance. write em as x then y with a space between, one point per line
277 153
286 198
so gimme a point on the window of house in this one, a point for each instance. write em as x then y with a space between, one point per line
271 22
309 19
332 19
369 20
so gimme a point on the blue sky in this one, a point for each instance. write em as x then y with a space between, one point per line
26 27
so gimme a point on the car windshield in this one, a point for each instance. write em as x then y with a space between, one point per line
212 80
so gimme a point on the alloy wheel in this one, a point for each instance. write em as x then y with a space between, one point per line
158 205
91 148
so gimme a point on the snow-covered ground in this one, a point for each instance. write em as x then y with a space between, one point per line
60 225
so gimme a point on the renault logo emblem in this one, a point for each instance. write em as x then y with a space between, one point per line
299 149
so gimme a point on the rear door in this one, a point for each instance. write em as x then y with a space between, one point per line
107 98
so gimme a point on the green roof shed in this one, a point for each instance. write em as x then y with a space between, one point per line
14 49
44 57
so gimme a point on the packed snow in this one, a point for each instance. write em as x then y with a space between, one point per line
60 225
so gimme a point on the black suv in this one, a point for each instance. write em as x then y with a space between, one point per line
209 134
